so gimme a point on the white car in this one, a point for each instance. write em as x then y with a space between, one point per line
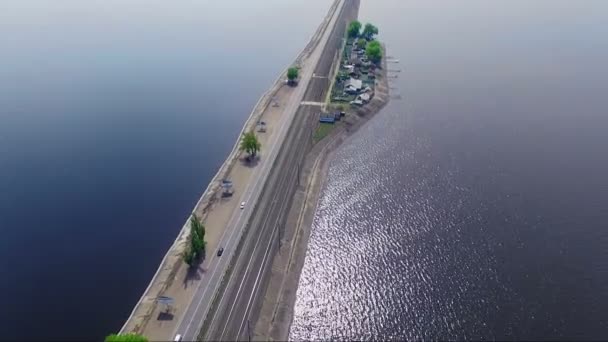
242 205
177 338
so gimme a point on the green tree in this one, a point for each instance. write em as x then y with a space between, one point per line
250 144
126 338
196 247
189 256
198 232
369 31
354 28
361 43
292 73
374 51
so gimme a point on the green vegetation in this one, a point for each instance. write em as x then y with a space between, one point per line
196 250
369 31
361 43
292 73
322 131
354 28
250 144
374 51
358 38
126 338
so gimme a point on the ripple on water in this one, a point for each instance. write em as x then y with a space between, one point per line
387 258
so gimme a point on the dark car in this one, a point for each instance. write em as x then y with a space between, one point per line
220 251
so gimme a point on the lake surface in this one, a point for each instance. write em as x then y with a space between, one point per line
114 116
475 206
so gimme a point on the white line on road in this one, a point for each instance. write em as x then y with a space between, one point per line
312 103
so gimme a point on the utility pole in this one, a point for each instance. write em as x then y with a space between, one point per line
248 331
298 178
279 236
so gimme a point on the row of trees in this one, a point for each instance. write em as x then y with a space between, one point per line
369 30
196 248
373 50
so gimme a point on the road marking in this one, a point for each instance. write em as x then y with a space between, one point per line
208 283
255 285
246 269
263 265
257 243
312 103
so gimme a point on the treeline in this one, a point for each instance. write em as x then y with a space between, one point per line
366 39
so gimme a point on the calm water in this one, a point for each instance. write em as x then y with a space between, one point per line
476 206
114 115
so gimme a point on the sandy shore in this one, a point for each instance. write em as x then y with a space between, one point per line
277 311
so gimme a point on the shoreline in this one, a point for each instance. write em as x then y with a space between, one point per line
277 311
172 261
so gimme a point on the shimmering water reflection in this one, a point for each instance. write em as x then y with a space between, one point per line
474 208
381 243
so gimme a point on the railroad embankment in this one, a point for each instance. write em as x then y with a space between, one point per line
277 311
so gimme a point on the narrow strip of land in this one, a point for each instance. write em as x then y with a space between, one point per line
193 290
239 304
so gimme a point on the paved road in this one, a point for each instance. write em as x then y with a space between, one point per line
240 303
230 321
192 320
320 83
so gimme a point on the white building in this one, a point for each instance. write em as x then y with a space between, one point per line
353 86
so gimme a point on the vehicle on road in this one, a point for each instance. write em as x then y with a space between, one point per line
242 205
220 251
177 338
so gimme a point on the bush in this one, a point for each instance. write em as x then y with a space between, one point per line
126 338
354 28
292 73
196 249
374 51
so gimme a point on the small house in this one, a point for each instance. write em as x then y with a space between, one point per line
327 118
350 69
353 86
364 98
